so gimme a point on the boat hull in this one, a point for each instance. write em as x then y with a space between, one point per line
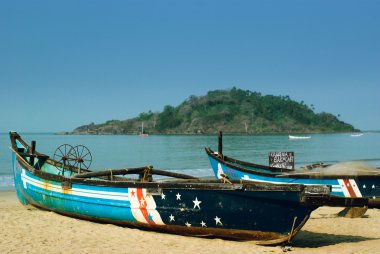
346 186
266 217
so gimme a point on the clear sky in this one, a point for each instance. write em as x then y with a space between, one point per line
68 63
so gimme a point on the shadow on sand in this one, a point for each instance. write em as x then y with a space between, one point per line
309 239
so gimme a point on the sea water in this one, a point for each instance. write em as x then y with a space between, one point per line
186 154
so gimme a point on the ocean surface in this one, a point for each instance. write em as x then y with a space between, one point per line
186 153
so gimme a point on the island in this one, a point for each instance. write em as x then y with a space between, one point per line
233 111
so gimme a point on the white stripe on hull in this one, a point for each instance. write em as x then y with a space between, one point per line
74 191
137 206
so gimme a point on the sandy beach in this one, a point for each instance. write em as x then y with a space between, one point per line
30 230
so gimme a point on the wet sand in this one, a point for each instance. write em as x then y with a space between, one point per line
30 230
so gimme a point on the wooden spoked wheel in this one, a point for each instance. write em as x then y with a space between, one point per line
81 157
78 157
62 155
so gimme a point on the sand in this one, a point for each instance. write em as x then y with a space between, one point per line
30 230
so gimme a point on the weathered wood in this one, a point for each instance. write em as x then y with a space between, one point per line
39 156
32 153
108 172
171 174
353 212
126 171
220 143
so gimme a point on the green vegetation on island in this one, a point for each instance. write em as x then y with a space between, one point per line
233 111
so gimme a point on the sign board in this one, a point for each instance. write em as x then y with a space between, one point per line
281 160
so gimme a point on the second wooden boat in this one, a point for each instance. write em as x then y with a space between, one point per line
348 183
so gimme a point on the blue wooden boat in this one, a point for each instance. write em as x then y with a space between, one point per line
349 184
185 205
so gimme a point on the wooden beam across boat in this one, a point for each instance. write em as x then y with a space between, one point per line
140 170
108 172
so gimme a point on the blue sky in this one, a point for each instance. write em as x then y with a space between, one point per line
68 63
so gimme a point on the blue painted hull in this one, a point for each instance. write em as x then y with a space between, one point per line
218 211
342 186
274 217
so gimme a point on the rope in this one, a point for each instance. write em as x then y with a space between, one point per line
225 178
147 172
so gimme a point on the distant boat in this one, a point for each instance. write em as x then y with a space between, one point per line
357 135
142 134
299 137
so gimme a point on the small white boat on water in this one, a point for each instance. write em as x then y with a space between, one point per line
357 135
299 137
142 134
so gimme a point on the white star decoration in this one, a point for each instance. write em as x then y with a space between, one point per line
373 186
217 220
188 224
178 196
364 186
196 203
203 224
171 217
163 196
142 201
